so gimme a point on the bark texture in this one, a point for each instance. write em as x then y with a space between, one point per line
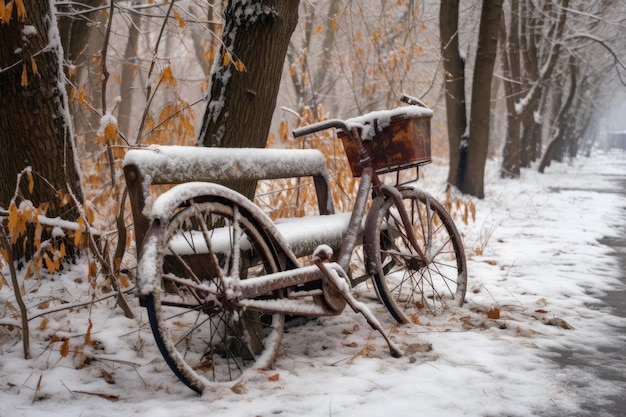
454 70
244 84
468 147
35 130
246 77
472 180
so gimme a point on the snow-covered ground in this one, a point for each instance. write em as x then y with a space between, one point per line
534 256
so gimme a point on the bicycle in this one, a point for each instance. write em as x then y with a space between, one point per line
217 276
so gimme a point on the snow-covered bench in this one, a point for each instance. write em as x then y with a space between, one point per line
154 165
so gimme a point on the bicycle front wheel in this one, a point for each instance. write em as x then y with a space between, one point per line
203 334
408 284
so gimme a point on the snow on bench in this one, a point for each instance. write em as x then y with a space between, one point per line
301 234
153 165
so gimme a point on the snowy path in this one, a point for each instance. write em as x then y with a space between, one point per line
535 256
605 359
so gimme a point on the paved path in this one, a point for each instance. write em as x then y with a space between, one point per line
606 360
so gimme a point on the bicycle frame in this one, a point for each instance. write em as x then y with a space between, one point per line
218 276
335 300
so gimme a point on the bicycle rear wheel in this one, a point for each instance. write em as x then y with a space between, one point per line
202 333
408 284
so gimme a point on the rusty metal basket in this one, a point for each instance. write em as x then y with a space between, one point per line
403 143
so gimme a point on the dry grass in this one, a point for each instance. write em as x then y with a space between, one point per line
295 197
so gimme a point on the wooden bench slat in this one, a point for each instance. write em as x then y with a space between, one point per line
178 164
153 165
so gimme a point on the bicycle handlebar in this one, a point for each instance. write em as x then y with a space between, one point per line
340 124
413 101
316 127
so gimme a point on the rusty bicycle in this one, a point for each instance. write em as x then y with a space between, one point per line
218 277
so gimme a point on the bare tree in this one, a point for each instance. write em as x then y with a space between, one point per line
593 43
527 68
320 82
245 81
557 138
35 128
80 27
454 79
469 145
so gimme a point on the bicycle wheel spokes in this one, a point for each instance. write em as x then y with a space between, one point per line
203 334
408 283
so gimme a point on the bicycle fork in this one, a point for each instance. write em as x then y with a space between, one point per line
396 196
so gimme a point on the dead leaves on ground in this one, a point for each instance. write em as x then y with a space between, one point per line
368 351
558 322
486 318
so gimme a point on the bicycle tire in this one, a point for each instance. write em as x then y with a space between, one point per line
204 337
408 285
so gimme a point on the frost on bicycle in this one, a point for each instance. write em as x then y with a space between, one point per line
218 276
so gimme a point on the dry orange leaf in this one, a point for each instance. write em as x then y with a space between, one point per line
124 281
93 269
494 313
78 237
168 77
238 388
240 66
110 131
88 340
24 76
5 255
44 323
227 59
49 264
17 223
31 183
33 66
8 10
65 348
21 10
274 378
81 95
180 20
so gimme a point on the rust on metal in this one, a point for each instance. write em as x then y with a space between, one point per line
404 143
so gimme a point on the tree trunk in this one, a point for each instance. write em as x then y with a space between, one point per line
554 147
310 94
512 74
478 143
537 130
534 82
35 128
245 81
454 70
129 74
82 39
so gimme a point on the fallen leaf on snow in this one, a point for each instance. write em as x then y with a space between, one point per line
555 321
418 347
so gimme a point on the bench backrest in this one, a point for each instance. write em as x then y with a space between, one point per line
154 165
